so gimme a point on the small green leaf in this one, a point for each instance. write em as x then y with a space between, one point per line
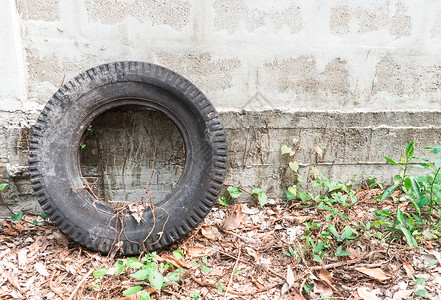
317 258
134 263
144 296
132 291
415 205
400 216
294 166
423 201
100 272
432 262
389 160
409 149
204 260
43 215
206 269
262 197
415 186
285 149
173 276
142 274
96 284
256 191
410 239
18 216
289 195
119 267
223 201
340 252
234 191
219 288
334 231
195 296
3 186
435 150
388 192
398 179
438 162
35 222
156 280
407 183
178 254
422 293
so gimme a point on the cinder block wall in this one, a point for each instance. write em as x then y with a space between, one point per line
359 79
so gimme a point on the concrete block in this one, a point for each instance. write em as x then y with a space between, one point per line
393 17
45 10
204 70
401 77
232 15
172 13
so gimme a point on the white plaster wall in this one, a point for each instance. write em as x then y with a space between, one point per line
291 55
12 68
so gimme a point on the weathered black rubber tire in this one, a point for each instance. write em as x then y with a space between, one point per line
55 168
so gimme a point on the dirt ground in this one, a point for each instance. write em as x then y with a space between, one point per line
241 251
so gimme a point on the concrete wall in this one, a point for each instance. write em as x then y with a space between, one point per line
360 78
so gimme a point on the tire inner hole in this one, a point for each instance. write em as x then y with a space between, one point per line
131 155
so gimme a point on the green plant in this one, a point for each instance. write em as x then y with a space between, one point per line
293 191
261 196
423 192
235 192
420 292
223 201
147 269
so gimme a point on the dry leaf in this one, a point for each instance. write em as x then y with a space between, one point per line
11 232
19 226
403 206
290 277
285 288
235 219
401 295
289 281
376 273
41 269
176 262
301 219
207 232
325 276
131 297
429 245
195 252
365 294
408 268
12 280
22 257
355 254
436 254
137 211
322 289
253 253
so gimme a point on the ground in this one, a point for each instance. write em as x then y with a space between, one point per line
242 251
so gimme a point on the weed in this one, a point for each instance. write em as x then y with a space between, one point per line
234 192
423 192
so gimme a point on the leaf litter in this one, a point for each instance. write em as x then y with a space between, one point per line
237 252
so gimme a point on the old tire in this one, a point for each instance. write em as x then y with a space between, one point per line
54 156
